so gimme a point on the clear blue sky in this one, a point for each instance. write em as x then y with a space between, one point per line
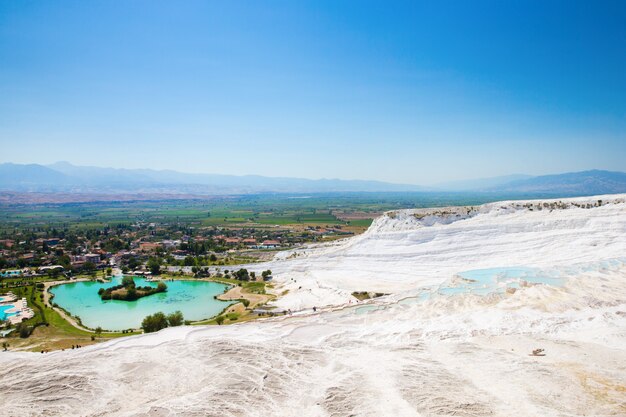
413 92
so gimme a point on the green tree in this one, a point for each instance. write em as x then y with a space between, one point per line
89 267
154 322
154 266
133 263
242 275
161 287
219 320
98 331
24 330
128 282
175 319
131 294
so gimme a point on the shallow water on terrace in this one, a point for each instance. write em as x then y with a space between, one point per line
497 280
193 298
366 309
485 281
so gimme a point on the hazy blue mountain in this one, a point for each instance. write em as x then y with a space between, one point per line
63 176
480 183
31 177
575 183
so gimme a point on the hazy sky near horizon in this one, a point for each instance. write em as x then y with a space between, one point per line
412 92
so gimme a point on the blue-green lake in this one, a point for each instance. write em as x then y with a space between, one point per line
194 298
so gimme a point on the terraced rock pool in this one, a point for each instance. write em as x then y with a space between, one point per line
499 280
194 298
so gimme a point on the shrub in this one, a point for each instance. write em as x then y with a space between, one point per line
24 330
128 282
175 319
154 322
131 294
219 320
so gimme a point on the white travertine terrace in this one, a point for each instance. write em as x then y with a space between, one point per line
463 355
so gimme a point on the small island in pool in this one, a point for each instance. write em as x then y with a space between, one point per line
127 291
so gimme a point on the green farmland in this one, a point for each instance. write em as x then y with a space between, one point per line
231 211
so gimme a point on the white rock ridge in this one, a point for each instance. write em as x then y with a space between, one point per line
460 354
408 249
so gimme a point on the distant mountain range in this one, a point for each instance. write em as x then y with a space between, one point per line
64 177
586 182
481 183
570 183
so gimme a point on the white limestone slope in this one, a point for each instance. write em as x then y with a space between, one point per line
463 355
401 252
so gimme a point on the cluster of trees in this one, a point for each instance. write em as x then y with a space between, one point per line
130 262
194 260
243 274
154 265
200 248
132 291
115 245
158 321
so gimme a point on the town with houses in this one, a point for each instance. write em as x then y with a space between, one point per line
138 247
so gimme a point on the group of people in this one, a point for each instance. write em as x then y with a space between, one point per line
73 347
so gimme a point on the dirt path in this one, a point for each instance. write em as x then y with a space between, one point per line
237 293
46 300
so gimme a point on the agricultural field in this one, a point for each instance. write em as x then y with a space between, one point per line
354 210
